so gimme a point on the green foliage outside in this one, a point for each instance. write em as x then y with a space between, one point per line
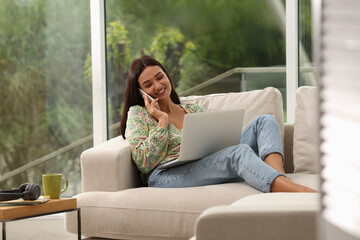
179 55
195 40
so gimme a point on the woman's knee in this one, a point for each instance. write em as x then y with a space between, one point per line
266 119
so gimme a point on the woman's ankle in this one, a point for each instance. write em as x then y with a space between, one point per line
275 161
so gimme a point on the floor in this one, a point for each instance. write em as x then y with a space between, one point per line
41 228
49 227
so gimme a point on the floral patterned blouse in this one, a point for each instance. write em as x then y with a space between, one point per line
152 145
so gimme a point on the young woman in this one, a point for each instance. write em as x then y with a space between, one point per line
153 130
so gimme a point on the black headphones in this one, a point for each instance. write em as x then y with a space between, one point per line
26 191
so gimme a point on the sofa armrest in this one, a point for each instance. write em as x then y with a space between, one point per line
278 216
109 167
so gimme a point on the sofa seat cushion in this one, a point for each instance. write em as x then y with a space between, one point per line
278 216
281 201
151 213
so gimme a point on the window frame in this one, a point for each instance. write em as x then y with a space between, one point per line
98 57
292 57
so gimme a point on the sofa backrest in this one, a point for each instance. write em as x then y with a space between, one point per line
306 144
255 103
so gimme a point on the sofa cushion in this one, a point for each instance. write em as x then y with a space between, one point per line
262 216
305 151
308 180
255 103
151 213
284 201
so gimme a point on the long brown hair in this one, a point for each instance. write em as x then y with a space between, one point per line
132 96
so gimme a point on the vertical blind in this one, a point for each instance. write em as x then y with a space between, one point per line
339 60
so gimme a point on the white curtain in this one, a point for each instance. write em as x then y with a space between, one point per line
339 59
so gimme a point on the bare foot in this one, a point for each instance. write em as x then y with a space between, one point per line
282 184
307 189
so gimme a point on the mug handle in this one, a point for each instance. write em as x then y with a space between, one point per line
66 185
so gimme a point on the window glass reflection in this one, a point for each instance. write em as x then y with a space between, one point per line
46 109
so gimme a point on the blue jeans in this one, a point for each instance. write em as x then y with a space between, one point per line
243 162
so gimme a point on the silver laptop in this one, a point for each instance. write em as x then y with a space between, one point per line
206 133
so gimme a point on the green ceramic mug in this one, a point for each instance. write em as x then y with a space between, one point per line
52 183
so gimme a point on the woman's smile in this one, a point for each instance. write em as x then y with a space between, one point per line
161 93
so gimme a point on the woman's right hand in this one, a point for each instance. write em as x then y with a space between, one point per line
156 113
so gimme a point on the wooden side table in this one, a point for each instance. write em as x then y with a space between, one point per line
53 206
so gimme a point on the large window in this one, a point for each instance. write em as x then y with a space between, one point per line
196 40
45 90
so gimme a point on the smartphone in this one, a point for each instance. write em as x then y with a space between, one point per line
149 97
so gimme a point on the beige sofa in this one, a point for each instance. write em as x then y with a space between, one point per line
115 205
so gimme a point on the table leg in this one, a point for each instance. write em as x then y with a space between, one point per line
3 230
79 224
